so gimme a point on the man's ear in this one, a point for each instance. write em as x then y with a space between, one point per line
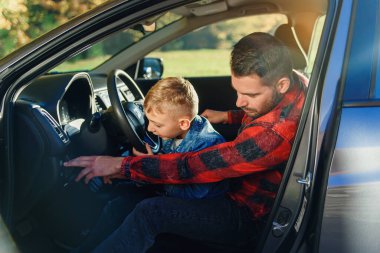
184 124
283 85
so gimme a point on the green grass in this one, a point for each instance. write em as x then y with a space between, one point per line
190 63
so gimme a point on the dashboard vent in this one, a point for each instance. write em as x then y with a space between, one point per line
100 104
56 126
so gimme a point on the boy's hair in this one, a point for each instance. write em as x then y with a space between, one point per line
261 54
174 94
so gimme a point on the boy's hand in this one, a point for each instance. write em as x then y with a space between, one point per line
215 117
138 153
108 179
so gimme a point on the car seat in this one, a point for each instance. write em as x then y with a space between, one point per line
285 33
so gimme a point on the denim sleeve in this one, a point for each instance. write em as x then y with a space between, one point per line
208 141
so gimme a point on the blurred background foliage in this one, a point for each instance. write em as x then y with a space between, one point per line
24 20
21 21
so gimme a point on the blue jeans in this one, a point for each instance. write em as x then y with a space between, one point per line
197 191
217 220
114 212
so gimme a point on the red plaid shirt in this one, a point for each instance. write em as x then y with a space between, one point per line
254 161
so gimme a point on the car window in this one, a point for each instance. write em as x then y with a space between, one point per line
112 45
23 21
361 65
314 43
377 59
206 51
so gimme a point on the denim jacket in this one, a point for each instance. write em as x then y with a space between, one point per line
200 135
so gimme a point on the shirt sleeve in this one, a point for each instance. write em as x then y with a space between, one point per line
235 116
257 148
210 140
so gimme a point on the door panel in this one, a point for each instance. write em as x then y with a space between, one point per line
351 214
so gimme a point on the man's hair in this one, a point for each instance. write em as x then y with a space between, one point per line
174 94
261 54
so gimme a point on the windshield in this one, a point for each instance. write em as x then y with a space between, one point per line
112 45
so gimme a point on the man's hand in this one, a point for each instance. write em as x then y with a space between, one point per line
138 153
94 166
215 117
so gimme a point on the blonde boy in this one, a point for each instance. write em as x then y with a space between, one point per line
171 107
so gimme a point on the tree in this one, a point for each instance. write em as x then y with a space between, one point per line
24 20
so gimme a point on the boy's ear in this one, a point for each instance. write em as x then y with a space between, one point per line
184 124
283 85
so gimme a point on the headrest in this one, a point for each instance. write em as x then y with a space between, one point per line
285 34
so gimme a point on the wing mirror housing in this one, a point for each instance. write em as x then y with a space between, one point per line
149 68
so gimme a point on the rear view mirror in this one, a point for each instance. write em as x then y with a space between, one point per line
149 27
144 28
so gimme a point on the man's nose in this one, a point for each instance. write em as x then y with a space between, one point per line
240 101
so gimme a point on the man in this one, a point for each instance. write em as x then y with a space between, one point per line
271 98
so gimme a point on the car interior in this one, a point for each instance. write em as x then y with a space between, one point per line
62 115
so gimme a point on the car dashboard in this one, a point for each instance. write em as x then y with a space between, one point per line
51 117
66 97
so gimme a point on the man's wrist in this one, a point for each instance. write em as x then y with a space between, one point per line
229 118
124 168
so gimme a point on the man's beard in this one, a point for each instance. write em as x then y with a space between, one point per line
253 113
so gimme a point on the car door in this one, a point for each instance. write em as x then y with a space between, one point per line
351 208
294 222
340 211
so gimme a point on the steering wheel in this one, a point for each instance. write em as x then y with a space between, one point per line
130 114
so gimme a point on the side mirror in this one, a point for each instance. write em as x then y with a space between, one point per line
150 68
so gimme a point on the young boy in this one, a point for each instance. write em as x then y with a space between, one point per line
171 107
